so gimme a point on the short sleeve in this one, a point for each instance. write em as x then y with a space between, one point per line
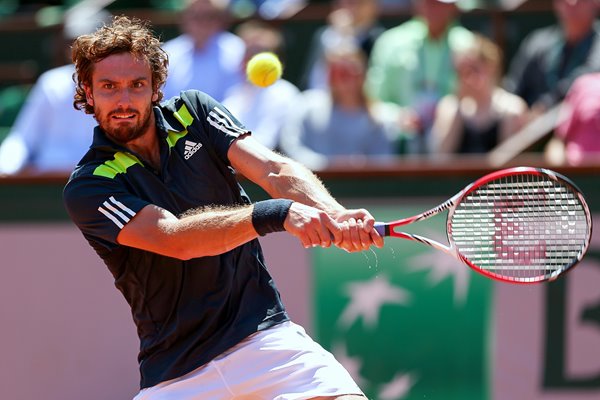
221 127
100 207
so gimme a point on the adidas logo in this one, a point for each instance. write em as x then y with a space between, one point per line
190 149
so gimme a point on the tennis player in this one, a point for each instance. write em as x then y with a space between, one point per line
156 198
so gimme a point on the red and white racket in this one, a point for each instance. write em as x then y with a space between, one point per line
520 225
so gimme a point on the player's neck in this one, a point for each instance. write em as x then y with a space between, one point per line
147 146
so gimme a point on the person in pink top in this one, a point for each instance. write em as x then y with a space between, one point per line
577 137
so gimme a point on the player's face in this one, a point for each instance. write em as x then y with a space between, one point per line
121 93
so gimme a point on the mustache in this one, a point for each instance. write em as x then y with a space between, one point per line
123 111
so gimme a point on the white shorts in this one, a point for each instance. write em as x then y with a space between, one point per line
280 363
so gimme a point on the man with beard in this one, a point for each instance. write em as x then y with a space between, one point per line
156 198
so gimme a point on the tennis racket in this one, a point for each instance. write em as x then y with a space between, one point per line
519 225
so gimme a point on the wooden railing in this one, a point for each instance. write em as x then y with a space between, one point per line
33 197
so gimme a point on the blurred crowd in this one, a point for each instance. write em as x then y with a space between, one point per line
424 87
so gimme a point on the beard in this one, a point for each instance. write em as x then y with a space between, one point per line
126 130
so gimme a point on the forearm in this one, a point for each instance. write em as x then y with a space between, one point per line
316 216
198 233
212 230
202 232
293 181
279 176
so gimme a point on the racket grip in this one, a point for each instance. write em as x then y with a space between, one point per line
382 228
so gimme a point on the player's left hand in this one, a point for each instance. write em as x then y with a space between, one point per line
357 230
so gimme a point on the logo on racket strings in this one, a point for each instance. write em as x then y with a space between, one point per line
507 247
517 239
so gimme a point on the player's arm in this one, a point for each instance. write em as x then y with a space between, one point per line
216 230
104 209
282 177
198 233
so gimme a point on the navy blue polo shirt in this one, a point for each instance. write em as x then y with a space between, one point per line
186 312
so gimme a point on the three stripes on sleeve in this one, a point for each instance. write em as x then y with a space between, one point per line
223 122
116 211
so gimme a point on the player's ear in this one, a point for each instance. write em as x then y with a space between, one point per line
88 95
154 96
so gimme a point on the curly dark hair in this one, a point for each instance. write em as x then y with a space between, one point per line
123 35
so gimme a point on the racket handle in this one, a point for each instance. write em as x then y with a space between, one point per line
382 228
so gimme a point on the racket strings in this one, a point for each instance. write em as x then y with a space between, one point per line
521 227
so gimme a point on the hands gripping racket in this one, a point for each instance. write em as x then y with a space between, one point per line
520 225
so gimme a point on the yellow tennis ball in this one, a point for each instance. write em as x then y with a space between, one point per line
263 69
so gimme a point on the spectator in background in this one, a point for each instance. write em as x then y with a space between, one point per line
411 66
480 114
337 123
205 56
551 58
46 135
355 20
578 135
263 110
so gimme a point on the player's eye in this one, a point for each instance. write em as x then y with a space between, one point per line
138 85
108 86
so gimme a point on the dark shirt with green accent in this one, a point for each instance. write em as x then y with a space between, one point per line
186 312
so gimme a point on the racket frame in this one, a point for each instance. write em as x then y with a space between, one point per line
389 228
